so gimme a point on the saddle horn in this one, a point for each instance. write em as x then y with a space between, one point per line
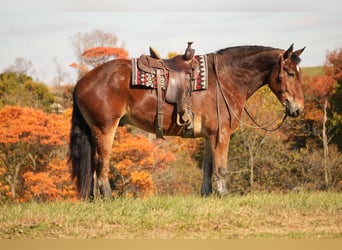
189 52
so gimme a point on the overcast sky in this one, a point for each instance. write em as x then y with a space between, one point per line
42 30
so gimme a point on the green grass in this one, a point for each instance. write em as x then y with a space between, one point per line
295 215
313 71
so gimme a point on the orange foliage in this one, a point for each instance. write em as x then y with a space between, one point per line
318 89
31 126
134 158
52 184
333 65
39 186
142 183
119 53
99 55
29 140
321 86
83 69
313 111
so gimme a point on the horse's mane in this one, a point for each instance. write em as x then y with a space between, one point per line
250 50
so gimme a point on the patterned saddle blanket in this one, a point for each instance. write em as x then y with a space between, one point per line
147 78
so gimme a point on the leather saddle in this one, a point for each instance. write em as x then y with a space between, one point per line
179 63
181 71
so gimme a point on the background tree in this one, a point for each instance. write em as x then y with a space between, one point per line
21 66
29 139
321 88
134 159
99 55
102 42
20 89
333 69
183 175
52 183
60 74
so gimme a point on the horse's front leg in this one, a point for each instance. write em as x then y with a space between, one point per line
207 168
220 160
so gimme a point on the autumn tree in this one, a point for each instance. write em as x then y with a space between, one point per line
135 158
333 69
322 106
94 48
321 88
29 139
99 55
53 183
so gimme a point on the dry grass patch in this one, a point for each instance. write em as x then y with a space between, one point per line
295 215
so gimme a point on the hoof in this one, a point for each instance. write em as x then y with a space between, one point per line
223 194
206 190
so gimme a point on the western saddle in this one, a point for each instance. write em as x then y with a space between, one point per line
180 71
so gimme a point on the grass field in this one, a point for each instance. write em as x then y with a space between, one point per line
313 71
289 216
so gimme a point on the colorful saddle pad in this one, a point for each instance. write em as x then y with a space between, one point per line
149 80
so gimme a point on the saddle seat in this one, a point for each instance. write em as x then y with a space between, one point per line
180 71
179 63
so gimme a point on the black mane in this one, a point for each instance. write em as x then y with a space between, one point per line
250 50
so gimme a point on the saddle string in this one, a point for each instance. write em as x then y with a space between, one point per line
231 112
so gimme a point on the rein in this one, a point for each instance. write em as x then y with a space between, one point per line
258 126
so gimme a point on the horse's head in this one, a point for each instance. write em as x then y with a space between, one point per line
285 82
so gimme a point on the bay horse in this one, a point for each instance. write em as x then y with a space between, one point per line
104 97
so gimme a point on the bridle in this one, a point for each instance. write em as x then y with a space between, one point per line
266 127
280 78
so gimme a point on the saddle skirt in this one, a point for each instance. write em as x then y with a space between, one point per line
144 72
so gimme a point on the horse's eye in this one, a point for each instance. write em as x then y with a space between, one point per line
290 74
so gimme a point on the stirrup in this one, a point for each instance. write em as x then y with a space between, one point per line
189 130
179 123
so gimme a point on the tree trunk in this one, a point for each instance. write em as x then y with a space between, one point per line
251 167
325 146
12 181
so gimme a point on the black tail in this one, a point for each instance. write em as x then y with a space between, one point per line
81 153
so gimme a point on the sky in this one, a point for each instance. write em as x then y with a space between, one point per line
40 31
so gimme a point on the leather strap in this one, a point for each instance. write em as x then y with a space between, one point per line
218 136
159 120
280 78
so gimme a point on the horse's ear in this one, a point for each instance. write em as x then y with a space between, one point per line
287 54
299 52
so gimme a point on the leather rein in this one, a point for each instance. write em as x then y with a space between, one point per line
257 125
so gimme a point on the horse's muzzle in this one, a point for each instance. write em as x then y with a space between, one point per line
293 109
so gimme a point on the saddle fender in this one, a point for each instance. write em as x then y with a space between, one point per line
176 88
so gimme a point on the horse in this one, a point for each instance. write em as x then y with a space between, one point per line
104 98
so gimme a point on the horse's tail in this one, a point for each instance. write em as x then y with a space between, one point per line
81 152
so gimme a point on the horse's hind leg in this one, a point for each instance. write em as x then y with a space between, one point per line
104 141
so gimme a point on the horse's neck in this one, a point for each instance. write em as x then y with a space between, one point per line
250 74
